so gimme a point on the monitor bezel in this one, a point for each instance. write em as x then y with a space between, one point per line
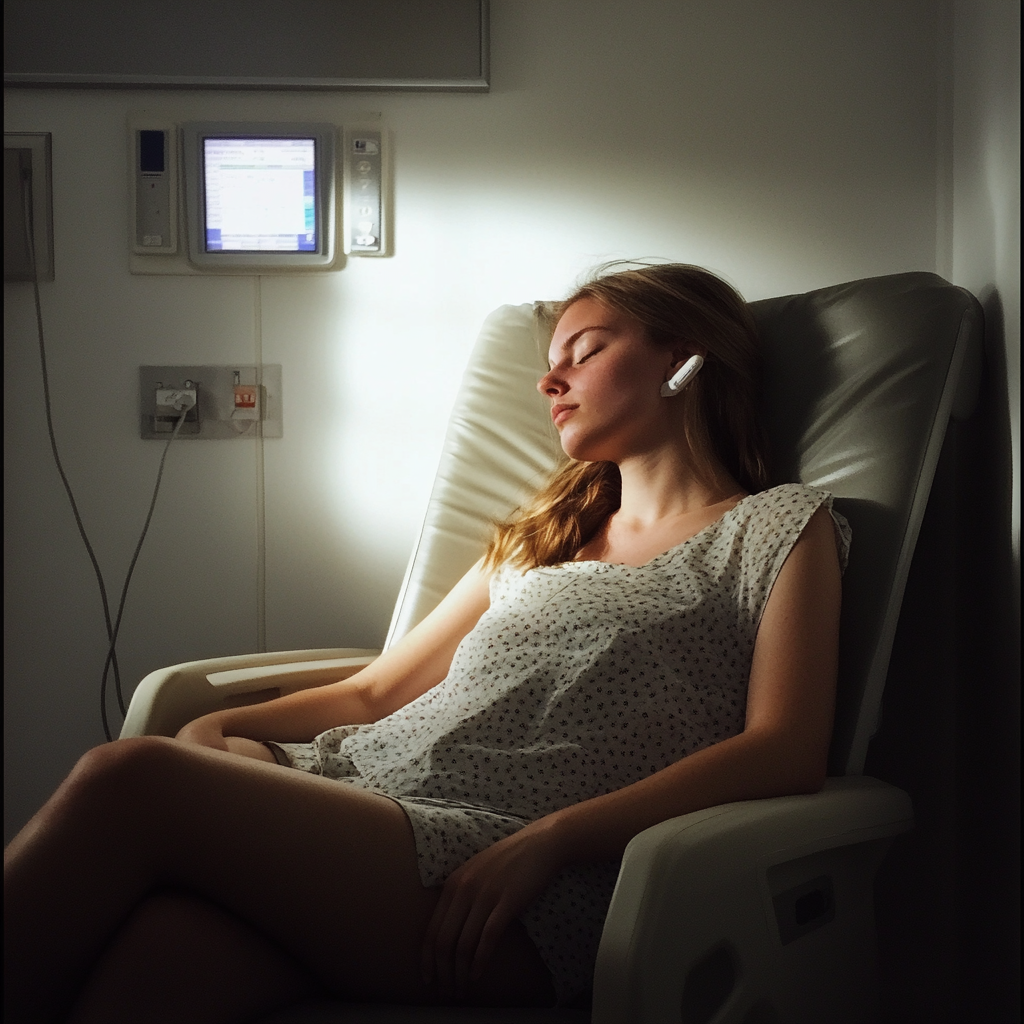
324 135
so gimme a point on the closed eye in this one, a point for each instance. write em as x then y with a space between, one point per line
584 358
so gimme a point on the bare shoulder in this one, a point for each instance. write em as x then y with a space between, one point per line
819 540
809 583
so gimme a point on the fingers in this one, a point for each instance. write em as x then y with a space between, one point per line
477 904
455 942
490 935
465 916
466 947
442 933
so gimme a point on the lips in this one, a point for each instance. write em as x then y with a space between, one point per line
560 412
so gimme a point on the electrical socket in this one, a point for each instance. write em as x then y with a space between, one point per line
229 403
170 403
175 399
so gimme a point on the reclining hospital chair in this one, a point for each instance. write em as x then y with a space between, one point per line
751 912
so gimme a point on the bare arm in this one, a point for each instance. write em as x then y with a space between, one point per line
419 661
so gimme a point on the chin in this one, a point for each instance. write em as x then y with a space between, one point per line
575 447
613 437
582 451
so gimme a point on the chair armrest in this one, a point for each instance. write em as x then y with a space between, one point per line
711 909
171 697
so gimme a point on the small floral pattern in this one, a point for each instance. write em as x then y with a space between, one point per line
579 679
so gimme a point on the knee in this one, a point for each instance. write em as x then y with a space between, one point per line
121 760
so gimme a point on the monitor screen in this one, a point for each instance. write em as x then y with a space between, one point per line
260 195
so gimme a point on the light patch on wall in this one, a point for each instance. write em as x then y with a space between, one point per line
402 341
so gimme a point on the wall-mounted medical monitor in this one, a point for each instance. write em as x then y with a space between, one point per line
260 196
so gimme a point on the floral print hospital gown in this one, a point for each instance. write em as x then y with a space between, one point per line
579 679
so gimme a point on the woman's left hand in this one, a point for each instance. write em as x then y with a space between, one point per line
479 901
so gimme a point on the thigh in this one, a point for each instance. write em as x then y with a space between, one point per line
324 868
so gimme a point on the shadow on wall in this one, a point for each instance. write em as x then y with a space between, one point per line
948 895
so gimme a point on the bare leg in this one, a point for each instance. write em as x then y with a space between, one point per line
326 870
180 958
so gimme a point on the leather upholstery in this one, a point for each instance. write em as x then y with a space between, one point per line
501 445
860 381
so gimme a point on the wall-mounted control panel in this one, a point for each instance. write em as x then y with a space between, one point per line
155 193
220 403
254 197
364 193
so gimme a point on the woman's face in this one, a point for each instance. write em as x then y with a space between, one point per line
605 384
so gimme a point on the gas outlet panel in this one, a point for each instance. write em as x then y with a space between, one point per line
230 402
365 179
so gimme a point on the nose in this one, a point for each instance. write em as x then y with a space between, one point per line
551 384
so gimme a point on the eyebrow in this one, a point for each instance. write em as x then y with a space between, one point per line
573 338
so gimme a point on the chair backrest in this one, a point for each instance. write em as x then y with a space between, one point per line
860 382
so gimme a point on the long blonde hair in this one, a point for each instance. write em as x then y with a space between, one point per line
672 302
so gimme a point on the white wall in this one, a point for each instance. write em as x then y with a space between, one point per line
787 145
986 198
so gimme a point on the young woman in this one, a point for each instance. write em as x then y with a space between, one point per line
656 633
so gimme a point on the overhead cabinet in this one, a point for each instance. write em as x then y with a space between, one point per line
248 44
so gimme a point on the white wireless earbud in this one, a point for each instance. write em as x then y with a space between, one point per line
682 377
